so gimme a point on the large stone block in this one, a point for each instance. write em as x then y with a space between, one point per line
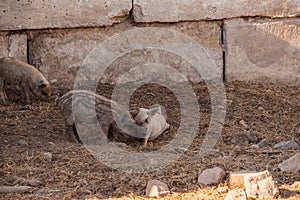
267 50
59 54
36 14
190 10
13 45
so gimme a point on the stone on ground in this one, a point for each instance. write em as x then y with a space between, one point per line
260 186
212 176
291 165
156 188
287 145
238 194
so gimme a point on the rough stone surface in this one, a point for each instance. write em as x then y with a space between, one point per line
291 165
287 145
36 14
156 188
59 54
260 186
211 176
263 50
238 194
236 179
13 46
174 11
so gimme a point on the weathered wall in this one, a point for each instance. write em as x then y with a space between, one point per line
250 40
59 54
13 45
195 10
259 50
37 14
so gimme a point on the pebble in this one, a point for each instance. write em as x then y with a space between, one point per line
287 145
291 165
156 188
212 176
47 156
238 194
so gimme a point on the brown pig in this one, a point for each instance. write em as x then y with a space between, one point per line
17 73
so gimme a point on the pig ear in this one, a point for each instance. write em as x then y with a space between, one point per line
41 84
133 112
154 111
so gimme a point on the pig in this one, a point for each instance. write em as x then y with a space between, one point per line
17 73
153 121
104 109
147 124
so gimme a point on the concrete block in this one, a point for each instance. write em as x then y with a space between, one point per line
13 45
192 10
60 53
263 50
261 186
36 14
236 179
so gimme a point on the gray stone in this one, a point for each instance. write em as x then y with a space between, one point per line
212 176
287 145
238 194
263 143
263 50
13 45
59 54
36 14
291 165
260 186
191 10
156 188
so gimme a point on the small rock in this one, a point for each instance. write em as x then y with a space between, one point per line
255 146
243 123
260 185
287 145
263 143
244 138
222 189
211 176
291 165
156 188
28 182
238 194
47 156
260 108
42 192
13 189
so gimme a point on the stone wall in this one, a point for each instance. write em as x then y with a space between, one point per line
247 40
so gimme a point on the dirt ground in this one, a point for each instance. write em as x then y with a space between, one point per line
270 111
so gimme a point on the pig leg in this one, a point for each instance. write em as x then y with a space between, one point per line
3 96
144 142
26 92
145 139
72 133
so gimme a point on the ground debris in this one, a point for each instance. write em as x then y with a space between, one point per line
73 172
